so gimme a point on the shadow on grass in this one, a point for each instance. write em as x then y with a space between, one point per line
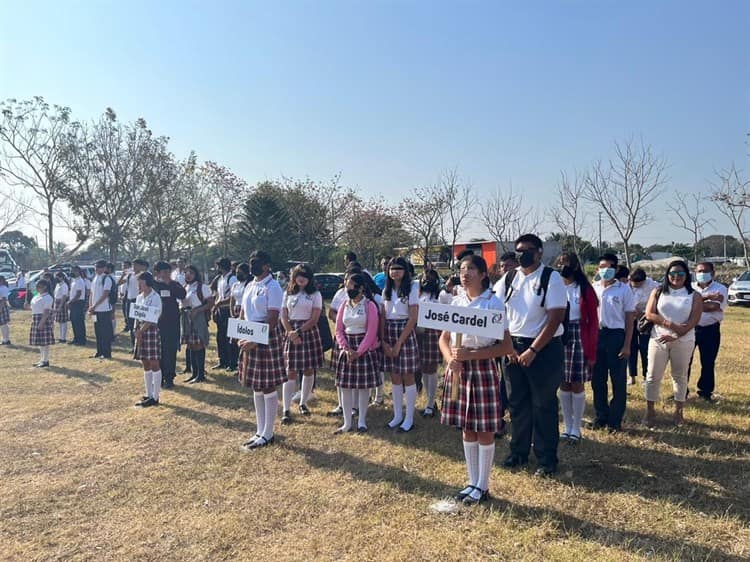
204 418
568 525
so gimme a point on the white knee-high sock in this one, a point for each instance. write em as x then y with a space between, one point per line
411 403
63 330
486 458
347 399
288 390
566 404
5 329
155 384
147 382
398 406
471 452
307 386
272 404
431 384
579 405
363 401
259 402
44 354
341 404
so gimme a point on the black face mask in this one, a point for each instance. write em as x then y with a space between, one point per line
352 293
526 258
566 271
429 286
256 268
241 276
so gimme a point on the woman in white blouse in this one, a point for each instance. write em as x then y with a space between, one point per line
194 312
62 295
148 340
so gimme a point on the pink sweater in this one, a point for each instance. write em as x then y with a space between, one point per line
371 335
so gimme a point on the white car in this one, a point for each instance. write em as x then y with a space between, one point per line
739 290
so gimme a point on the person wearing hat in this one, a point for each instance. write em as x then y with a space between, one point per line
101 310
170 293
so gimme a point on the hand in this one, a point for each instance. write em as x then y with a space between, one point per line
666 338
91 310
624 352
387 350
456 367
526 358
513 357
296 338
396 349
460 354
679 329
351 355
247 345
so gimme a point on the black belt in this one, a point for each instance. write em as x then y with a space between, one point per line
603 329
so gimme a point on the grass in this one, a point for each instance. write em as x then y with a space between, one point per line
86 476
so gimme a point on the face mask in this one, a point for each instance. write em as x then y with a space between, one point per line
526 258
566 271
241 276
606 273
73 274
352 293
703 277
256 268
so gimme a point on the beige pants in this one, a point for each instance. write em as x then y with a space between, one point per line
677 354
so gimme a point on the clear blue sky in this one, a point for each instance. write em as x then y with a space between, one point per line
391 93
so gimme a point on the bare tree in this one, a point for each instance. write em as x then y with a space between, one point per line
569 212
731 195
506 216
225 189
32 139
626 186
689 214
458 200
12 212
421 215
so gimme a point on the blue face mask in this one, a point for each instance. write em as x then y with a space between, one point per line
703 277
606 273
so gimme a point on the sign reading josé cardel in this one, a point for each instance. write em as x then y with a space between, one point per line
247 330
486 323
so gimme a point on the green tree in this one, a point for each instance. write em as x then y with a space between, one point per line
264 225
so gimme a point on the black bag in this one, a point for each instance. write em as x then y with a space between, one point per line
112 292
643 325
325 330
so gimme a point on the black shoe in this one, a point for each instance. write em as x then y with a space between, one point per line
545 471
169 383
231 369
191 378
707 397
197 380
461 495
401 429
96 356
260 442
362 429
474 499
42 364
287 417
218 366
186 370
304 410
612 429
513 460
147 402
341 430
337 411
597 425
429 412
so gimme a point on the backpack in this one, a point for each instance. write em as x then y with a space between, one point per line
542 290
112 292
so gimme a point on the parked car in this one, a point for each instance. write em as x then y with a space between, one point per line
17 297
739 290
328 283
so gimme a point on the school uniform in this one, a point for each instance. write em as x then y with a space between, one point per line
178 276
223 291
61 298
708 338
308 354
149 347
639 342
339 298
129 296
78 310
427 339
238 288
41 335
169 327
396 312
194 330
357 329
102 315
615 302
4 306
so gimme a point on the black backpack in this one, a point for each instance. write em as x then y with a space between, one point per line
542 290
112 291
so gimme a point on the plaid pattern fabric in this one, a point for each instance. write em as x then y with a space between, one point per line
41 335
306 355
4 314
335 350
61 312
188 333
575 365
429 350
478 406
150 346
362 373
407 361
263 367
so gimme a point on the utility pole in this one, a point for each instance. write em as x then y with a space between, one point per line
600 233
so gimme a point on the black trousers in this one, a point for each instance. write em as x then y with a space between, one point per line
126 314
610 366
78 321
170 343
532 401
222 342
104 333
708 341
130 323
638 347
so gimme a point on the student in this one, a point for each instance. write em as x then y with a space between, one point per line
534 370
262 366
21 280
221 312
616 316
42 332
477 410
101 310
641 285
242 273
303 349
708 330
380 276
194 322
358 369
675 309
62 293
171 293
508 262
401 354
148 341
427 341
110 270
580 347
178 273
77 306
129 291
4 311
338 299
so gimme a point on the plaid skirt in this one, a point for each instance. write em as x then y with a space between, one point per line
150 346
61 312
263 367
407 361
429 349
575 370
42 335
478 406
335 350
362 373
193 331
305 355
4 314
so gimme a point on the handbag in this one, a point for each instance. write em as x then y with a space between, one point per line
326 338
643 325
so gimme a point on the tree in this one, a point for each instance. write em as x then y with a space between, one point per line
506 216
689 213
458 203
626 186
224 189
374 230
12 212
32 140
421 216
569 213
264 224
731 196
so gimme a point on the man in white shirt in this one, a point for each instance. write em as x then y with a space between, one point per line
641 285
21 280
77 306
101 310
221 313
616 317
178 273
708 330
128 289
535 300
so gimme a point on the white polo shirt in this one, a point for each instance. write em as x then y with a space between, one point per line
224 286
301 305
338 299
40 303
260 297
77 285
615 301
574 299
192 299
708 318
487 301
355 317
152 300
641 294
178 276
61 290
526 317
100 284
131 286
398 307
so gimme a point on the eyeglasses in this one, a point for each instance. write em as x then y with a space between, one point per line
677 274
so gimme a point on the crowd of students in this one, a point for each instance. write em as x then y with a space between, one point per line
559 332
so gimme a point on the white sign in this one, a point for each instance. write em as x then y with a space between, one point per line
249 331
487 323
144 313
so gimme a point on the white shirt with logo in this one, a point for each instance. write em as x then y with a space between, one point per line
152 300
574 299
398 307
192 299
615 301
260 297
300 306
641 294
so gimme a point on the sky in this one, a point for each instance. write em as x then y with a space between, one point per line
392 93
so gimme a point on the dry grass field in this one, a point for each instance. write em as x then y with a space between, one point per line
87 476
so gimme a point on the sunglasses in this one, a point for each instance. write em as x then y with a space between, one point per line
677 274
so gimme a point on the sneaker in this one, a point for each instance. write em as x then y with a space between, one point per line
304 410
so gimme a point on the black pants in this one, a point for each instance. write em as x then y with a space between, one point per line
610 366
707 340
104 333
78 321
638 347
222 342
532 401
130 323
126 314
170 343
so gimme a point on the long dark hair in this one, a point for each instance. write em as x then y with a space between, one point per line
60 276
480 264
197 276
405 288
688 279
244 268
579 276
360 280
430 275
301 270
